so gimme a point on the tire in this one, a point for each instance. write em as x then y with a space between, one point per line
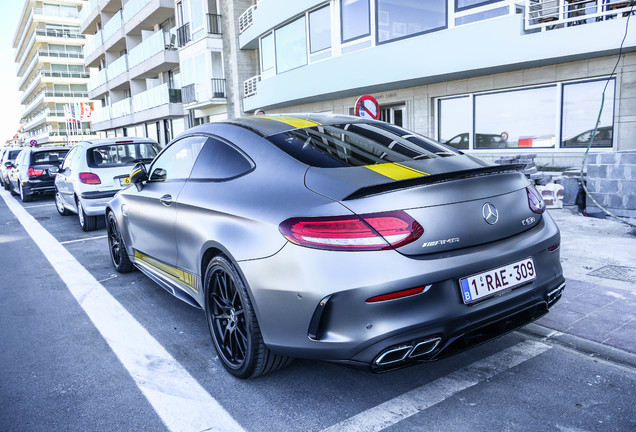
233 324
118 254
59 204
13 191
24 197
88 223
6 185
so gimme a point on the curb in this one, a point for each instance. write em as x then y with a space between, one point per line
591 348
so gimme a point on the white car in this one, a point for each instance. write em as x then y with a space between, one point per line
94 171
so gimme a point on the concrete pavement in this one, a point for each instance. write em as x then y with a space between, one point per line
597 312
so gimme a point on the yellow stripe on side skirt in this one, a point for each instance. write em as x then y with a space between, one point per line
396 171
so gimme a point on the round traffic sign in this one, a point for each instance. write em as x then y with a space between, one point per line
367 107
33 142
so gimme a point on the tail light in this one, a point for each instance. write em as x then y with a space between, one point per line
535 201
374 231
35 172
89 178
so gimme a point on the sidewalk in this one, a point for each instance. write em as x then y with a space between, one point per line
599 302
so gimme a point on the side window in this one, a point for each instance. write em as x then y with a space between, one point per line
67 160
220 161
177 160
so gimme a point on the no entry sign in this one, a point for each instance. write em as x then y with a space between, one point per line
367 107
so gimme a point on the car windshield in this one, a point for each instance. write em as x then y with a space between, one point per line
12 154
357 144
48 157
112 155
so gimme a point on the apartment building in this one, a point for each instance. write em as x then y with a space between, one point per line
50 69
491 77
135 77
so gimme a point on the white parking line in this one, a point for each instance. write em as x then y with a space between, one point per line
40 205
179 400
416 401
83 239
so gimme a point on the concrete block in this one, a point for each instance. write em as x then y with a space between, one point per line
608 186
628 106
629 202
510 79
613 201
627 187
608 158
540 75
572 70
456 87
597 171
627 157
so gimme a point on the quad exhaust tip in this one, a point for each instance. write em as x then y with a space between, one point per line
555 295
401 353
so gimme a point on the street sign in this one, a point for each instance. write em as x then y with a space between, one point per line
367 107
33 142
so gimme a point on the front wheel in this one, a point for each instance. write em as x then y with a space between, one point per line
233 324
118 254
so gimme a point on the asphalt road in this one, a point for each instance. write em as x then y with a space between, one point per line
86 349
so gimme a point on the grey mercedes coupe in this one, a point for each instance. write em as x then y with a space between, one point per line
337 238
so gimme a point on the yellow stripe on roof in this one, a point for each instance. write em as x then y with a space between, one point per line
293 121
396 171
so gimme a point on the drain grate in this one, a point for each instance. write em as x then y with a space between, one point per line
42 218
622 273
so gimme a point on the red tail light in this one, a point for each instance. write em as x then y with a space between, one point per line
376 231
396 295
535 201
89 178
35 172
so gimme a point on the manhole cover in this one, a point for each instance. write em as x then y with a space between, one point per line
42 218
627 274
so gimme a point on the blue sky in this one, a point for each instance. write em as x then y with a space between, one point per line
10 108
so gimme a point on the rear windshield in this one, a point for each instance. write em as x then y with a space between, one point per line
48 157
357 144
12 154
112 155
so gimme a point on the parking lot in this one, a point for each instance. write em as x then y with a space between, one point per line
85 348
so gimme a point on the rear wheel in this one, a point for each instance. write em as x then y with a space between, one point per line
12 190
88 223
60 204
6 184
118 254
233 325
24 196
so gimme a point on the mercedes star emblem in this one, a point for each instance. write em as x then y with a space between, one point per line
490 213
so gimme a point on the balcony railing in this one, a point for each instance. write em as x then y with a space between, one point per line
93 43
550 14
155 97
89 6
63 74
97 80
245 20
214 24
60 54
183 34
60 33
60 13
189 94
249 86
113 25
121 108
133 7
218 88
117 67
148 48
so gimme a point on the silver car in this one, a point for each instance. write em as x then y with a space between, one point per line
93 171
337 238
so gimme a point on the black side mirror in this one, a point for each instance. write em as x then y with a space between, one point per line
138 175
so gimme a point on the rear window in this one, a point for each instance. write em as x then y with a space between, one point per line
357 144
113 155
48 157
12 154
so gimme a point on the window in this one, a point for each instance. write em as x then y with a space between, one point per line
355 18
581 103
454 121
467 4
267 52
396 20
320 29
525 117
291 46
220 161
113 155
176 162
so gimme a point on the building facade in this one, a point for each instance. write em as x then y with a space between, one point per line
490 77
50 69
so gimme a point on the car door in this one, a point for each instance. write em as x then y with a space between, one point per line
19 166
152 212
64 181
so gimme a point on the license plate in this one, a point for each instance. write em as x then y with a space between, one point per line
124 181
491 282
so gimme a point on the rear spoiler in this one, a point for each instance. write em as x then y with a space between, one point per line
431 179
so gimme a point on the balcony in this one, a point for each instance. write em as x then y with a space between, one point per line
218 88
214 24
250 86
89 14
183 34
116 69
96 81
60 54
155 97
137 14
59 33
121 108
93 49
246 19
552 14
59 74
189 94
113 30
56 13
197 96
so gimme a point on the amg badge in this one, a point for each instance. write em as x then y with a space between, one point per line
441 242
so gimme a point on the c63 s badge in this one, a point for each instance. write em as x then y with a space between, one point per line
529 221
441 242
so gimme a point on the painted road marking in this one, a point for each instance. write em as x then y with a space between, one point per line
83 239
179 400
397 409
40 205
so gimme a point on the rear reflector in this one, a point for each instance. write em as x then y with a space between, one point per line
554 247
89 178
375 231
396 295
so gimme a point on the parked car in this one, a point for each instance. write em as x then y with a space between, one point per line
93 171
7 156
34 171
603 138
337 238
483 141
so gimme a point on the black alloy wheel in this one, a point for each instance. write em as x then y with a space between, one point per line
233 324
118 254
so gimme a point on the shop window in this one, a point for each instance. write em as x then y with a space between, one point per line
399 20
355 19
454 121
467 4
267 52
581 104
291 46
320 29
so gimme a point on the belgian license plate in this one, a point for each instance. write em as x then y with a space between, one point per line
488 283
124 181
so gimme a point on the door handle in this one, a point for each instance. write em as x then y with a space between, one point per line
166 200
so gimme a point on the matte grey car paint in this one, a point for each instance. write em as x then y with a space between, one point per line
240 218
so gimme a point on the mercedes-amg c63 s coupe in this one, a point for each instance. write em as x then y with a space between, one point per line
337 238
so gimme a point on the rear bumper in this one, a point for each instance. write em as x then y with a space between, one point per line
288 288
38 187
